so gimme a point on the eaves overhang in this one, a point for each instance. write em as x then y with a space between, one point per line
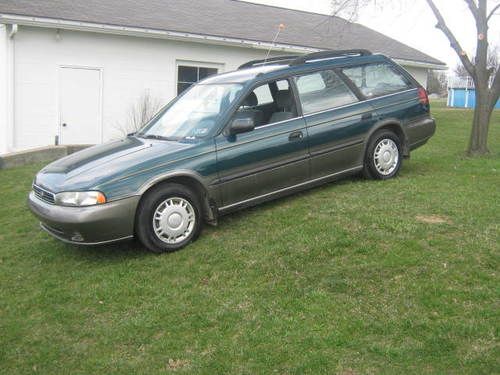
62 24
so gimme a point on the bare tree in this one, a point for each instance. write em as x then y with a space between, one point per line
349 9
460 71
478 68
436 83
492 63
486 97
140 113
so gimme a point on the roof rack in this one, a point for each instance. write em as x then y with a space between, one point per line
299 60
271 60
329 55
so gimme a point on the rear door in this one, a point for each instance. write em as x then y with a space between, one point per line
337 122
271 157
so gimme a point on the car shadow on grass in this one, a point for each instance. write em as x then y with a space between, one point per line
115 252
241 214
131 249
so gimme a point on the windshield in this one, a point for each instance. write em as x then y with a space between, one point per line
194 114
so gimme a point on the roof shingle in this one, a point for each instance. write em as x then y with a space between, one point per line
224 18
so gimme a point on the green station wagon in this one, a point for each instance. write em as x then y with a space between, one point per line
270 128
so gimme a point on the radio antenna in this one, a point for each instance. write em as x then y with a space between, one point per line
280 27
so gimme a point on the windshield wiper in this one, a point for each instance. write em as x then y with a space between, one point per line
155 136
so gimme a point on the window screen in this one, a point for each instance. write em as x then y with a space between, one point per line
323 90
377 79
187 75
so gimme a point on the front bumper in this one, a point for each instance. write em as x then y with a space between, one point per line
93 225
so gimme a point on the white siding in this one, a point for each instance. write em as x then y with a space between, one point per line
6 90
4 146
420 74
130 66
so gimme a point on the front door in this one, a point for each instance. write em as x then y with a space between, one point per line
271 157
80 106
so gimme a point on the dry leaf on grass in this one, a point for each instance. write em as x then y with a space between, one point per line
432 219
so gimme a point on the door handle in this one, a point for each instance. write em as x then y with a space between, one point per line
366 116
64 125
295 136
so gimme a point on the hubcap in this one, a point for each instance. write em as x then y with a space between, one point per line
386 156
174 220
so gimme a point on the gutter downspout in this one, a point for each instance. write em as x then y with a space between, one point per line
11 73
13 30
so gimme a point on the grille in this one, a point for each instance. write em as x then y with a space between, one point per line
44 195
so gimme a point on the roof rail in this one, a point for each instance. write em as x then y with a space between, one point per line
271 60
329 55
299 60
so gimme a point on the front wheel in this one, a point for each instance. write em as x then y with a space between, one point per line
383 156
168 218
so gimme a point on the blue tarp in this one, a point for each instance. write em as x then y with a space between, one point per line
463 98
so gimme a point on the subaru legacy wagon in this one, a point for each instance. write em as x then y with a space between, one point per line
270 128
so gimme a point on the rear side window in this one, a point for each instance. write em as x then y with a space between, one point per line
377 79
323 90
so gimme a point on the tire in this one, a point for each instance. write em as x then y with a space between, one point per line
383 156
168 218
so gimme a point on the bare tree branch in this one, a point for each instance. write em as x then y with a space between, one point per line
451 37
139 114
473 7
492 12
495 89
482 41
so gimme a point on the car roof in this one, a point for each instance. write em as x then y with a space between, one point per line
261 70
242 75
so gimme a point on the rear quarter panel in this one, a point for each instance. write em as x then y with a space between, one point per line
405 109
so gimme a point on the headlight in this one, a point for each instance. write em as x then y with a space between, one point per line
80 198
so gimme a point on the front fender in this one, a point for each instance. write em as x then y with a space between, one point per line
201 184
175 174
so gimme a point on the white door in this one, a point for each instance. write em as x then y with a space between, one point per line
80 106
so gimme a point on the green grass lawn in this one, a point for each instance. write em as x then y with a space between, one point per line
356 277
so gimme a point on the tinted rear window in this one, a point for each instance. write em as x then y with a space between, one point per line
377 79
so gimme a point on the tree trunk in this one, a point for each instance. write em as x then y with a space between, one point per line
480 125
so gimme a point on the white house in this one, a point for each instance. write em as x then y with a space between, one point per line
71 71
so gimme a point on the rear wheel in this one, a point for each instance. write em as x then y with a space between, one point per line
383 156
168 218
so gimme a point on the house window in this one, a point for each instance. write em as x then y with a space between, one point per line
188 74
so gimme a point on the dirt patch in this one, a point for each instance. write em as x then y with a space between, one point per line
177 364
433 219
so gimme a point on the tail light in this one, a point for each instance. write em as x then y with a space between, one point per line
422 96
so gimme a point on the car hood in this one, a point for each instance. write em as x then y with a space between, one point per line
90 167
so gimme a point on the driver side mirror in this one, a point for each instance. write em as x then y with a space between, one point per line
241 125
